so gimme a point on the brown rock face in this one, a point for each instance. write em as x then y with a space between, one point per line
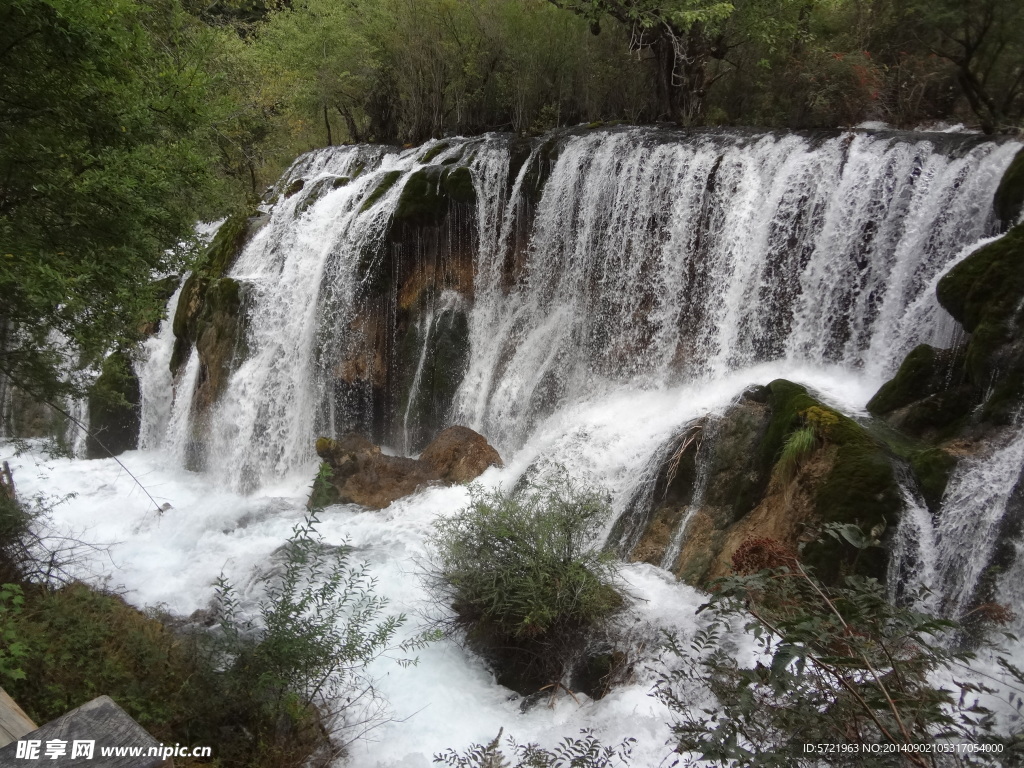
361 474
459 455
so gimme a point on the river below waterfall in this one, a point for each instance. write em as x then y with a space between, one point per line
658 278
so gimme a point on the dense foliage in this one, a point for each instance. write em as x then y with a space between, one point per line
524 574
104 166
123 122
838 665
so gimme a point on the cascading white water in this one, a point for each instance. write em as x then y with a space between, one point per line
651 257
664 275
651 260
155 381
950 553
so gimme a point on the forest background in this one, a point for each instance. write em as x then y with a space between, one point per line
124 122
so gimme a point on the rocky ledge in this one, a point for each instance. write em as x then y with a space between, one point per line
355 471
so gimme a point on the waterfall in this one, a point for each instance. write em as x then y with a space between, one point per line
155 381
956 553
631 258
651 260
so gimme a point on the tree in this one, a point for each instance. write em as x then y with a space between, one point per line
984 40
684 37
105 165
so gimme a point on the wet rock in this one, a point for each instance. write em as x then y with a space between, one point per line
355 471
459 455
743 481
114 411
1009 198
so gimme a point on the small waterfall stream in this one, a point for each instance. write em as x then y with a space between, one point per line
953 553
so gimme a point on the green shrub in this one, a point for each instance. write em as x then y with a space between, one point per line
78 643
840 665
524 574
12 649
585 752
279 677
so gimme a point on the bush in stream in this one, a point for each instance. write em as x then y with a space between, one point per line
840 665
292 683
524 573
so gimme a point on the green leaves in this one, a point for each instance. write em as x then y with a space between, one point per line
12 649
104 167
844 666
319 625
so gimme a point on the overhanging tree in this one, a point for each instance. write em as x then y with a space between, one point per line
104 166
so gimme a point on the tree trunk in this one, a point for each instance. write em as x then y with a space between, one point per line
327 122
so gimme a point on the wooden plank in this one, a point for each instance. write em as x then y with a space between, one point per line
14 723
101 722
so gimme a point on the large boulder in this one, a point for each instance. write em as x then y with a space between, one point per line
355 471
459 455
739 476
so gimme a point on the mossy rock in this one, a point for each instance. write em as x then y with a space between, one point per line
1009 197
226 245
984 292
429 192
218 333
447 357
387 181
340 181
932 467
861 486
315 194
114 411
922 373
433 152
294 188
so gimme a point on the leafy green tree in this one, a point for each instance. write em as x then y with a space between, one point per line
105 164
684 38
984 41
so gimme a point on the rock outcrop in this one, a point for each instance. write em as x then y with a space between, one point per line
740 477
459 455
355 471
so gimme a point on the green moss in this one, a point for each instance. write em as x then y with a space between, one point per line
985 293
932 467
429 192
444 366
340 181
915 379
987 286
423 200
358 168
295 187
862 487
458 184
434 151
387 181
1009 198
222 251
